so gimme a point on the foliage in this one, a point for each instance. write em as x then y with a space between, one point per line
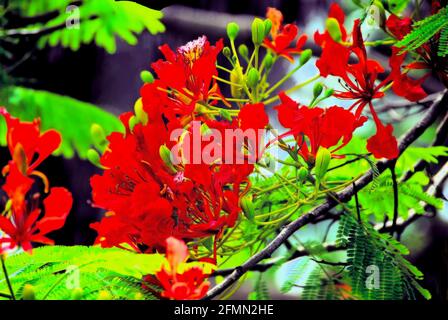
426 29
99 20
53 272
366 248
72 118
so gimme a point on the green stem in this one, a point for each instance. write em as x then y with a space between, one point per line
300 85
8 282
283 80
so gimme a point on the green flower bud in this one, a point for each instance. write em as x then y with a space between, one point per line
28 292
77 294
243 51
141 115
333 28
138 296
226 52
146 76
133 121
93 157
232 30
328 93
323 159
253 77
268 61
305 56
317 90
104 295
165 155
267 27
235 77
258 31
98 136
248 207
303 174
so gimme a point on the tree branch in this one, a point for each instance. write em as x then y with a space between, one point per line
439 106
261 267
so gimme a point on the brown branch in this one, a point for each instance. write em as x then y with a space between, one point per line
261 267
439 106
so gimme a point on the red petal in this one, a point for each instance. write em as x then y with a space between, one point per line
57 207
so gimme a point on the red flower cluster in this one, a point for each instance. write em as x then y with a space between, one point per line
178 280
330 128
359 79
150 199
22 222
283 36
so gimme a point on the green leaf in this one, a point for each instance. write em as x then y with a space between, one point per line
424 30
49 270
412 155
102 21
72 118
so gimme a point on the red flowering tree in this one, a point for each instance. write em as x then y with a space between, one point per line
219 168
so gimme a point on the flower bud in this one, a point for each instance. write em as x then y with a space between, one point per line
243 51
235 77
317 90
146 76
268 61
93 157
323 158
77 294
28 292
165 155
248 207
141 115
267 27
226 52
253 77
305 56
303 174
258 31
333 28
232 30
133 121
328 93
98 136
104 295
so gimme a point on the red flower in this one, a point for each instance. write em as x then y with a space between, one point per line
283 36
150 202
179 281
189 71
328 128
383 144
24 225
335 12
399 27
359 80
403 85
25 141
253 116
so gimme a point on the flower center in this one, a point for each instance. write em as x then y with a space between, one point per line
193 50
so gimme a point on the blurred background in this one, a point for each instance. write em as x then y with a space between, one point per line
112 82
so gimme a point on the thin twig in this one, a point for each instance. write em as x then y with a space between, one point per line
8 282
438 107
